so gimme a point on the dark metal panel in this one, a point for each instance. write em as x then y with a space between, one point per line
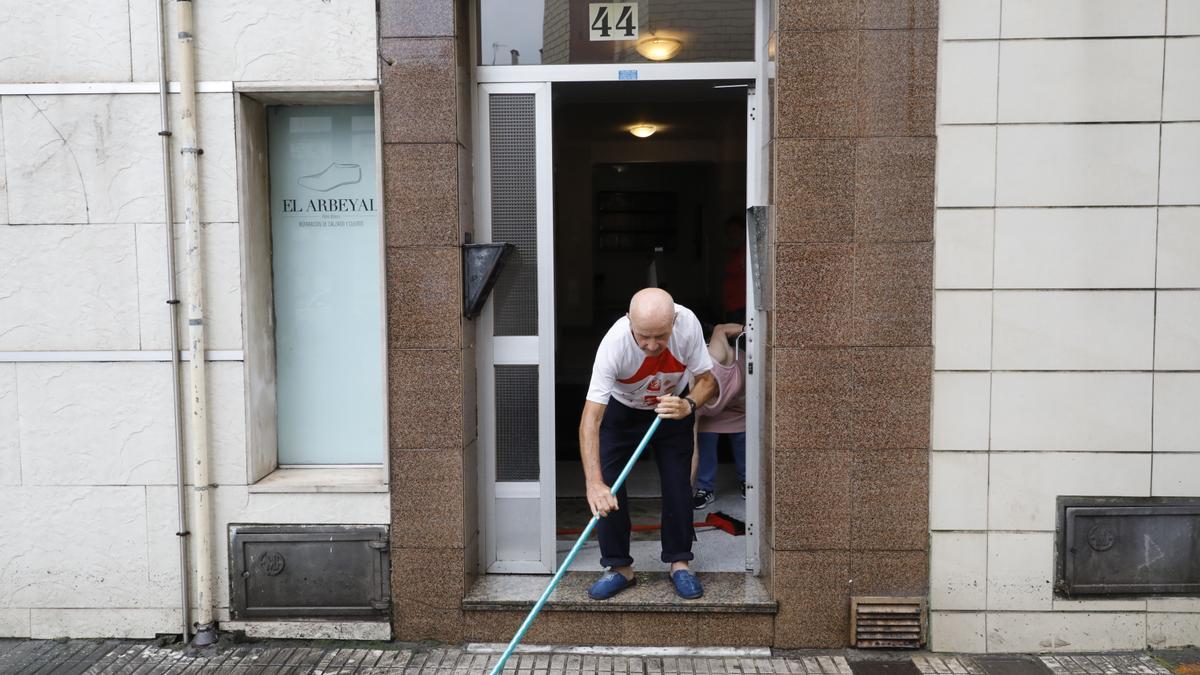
1128 545
482 264
758 227
291 571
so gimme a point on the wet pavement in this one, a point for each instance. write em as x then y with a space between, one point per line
279 657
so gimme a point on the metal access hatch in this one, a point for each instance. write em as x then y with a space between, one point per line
1128 545
308 571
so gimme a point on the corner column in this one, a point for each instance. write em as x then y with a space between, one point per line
853 149
431 361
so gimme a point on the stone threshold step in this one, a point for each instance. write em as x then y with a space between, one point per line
729 592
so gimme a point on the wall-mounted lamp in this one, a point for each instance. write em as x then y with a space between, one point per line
643 130
659 48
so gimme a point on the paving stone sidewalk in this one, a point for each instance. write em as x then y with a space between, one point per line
132 657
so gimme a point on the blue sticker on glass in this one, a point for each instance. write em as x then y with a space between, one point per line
626 74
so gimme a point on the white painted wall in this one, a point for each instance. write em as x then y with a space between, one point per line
87 464
1067 305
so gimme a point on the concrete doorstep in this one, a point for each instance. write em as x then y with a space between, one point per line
279 657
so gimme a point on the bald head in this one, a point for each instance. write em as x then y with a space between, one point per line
651 318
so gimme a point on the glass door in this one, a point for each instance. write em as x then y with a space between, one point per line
514 204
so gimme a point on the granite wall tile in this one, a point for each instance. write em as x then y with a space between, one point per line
615 628
418 89
471 510
813 395
893 190
470 404
575 628
813 591
466 194
818 15
419 622
889 573
817 83
815 190
814 291
812 499
425 401
892 393
462 75
890 500
826 15
416 18
427 499
427 588
491 626
422 194
661 629
734 630
898 13
424 298
893 294
428 577
898 80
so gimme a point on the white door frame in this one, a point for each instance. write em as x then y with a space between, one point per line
610 72
492 350
535 350
758 137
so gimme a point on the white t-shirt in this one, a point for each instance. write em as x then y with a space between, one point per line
636 380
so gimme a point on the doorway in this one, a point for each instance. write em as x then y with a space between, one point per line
633 211
595 213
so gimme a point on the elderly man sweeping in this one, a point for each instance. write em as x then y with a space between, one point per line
652 362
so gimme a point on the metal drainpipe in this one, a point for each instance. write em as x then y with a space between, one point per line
206 630
173 305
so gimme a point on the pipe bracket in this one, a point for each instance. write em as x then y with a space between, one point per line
196 151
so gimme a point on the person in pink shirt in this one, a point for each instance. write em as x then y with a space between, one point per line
724 414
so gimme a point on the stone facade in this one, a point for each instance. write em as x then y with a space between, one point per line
427 177
851 344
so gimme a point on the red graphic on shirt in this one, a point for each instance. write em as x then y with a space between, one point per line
653 365
654 385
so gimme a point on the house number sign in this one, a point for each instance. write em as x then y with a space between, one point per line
613 21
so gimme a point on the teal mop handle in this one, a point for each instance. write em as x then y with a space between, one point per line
562 569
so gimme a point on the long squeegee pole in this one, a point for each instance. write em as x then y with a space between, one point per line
587 532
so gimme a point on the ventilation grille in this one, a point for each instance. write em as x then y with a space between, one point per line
517 423
513 120
887 623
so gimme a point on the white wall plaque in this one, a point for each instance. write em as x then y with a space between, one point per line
613 21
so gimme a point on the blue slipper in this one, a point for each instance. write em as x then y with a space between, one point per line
609 585
687 586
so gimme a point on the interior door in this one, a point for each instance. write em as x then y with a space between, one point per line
514 204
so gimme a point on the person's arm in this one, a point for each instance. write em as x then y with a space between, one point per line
718 344
600 497
704 387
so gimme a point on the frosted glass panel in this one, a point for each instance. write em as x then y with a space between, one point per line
325 242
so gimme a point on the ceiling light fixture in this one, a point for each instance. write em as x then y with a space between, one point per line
659 48
643 130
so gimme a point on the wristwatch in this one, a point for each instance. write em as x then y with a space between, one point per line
691 403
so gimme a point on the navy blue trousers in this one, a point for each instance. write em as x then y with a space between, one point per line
620 432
